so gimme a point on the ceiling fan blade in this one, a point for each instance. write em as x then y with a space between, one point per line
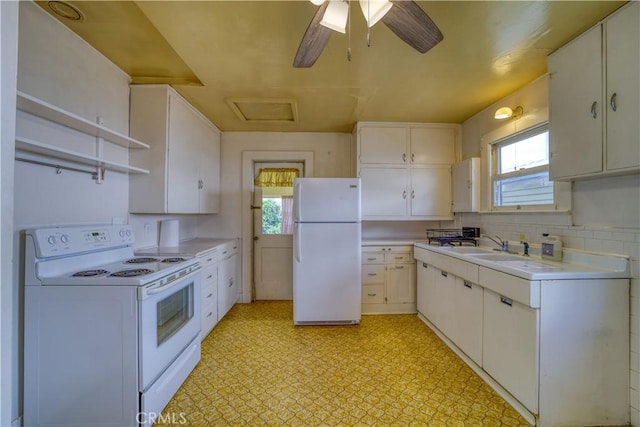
313 41
409 22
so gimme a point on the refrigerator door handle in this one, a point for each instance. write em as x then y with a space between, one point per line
297 201
296 243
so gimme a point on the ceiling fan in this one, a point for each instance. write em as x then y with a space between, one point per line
404 17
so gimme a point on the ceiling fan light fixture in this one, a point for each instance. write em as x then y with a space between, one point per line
374 10
335 17
317 2
507 112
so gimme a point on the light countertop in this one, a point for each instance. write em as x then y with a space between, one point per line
193 247
575 265
390 241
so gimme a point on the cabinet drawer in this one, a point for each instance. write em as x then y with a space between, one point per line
208 259
372 258
373 294
525 291
372 274
208 318
209 295
399 258
209 276
228 249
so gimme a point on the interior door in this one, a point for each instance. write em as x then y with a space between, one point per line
272 248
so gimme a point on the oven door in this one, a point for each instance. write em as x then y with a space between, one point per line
169 321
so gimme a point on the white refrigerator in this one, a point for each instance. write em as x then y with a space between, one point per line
327 287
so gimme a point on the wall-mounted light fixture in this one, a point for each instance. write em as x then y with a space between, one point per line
506 113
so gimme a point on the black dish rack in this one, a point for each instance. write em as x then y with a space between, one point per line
453 237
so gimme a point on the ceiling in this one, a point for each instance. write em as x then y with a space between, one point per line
224 54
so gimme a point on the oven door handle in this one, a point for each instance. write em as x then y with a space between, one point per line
157 289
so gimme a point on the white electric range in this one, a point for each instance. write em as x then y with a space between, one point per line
109 337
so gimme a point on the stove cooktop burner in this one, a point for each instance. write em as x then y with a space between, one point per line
132 273
174 259
90 273
143 260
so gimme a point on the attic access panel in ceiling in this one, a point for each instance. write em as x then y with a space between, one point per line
264 110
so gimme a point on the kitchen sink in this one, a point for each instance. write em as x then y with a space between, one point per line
497 257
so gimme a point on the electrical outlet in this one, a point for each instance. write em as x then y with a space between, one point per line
147 230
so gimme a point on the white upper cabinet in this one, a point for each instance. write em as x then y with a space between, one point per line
406 170
466 185
594 99
184 158
432 145
383 145
622 31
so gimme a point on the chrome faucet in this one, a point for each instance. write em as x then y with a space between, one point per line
504 244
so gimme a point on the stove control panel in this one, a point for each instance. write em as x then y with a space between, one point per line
58 241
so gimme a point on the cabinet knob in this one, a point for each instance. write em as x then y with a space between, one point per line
373 274
467 285
424 264
404 157
444 274
594 113
413 194
404 194
209 296
612 102
413 157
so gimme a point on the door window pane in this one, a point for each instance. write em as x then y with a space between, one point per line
277 210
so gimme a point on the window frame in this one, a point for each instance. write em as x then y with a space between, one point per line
493 175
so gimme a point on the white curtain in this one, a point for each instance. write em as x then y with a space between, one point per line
287 215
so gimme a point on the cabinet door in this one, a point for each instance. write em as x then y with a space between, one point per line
183 195
465 180
400 287
227 293
441 285
384 192
209 167
431 192
468 319
575 107
422 289
510 347
623 88
387 145
432 145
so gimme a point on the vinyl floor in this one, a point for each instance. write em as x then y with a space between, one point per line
257 368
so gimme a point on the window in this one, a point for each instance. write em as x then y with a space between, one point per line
274 187
520 170
277 210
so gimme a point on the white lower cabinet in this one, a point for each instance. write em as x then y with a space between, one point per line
227 278
209 291
510 347
468 318
557 350
388 279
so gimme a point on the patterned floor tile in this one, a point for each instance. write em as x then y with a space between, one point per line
257 368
